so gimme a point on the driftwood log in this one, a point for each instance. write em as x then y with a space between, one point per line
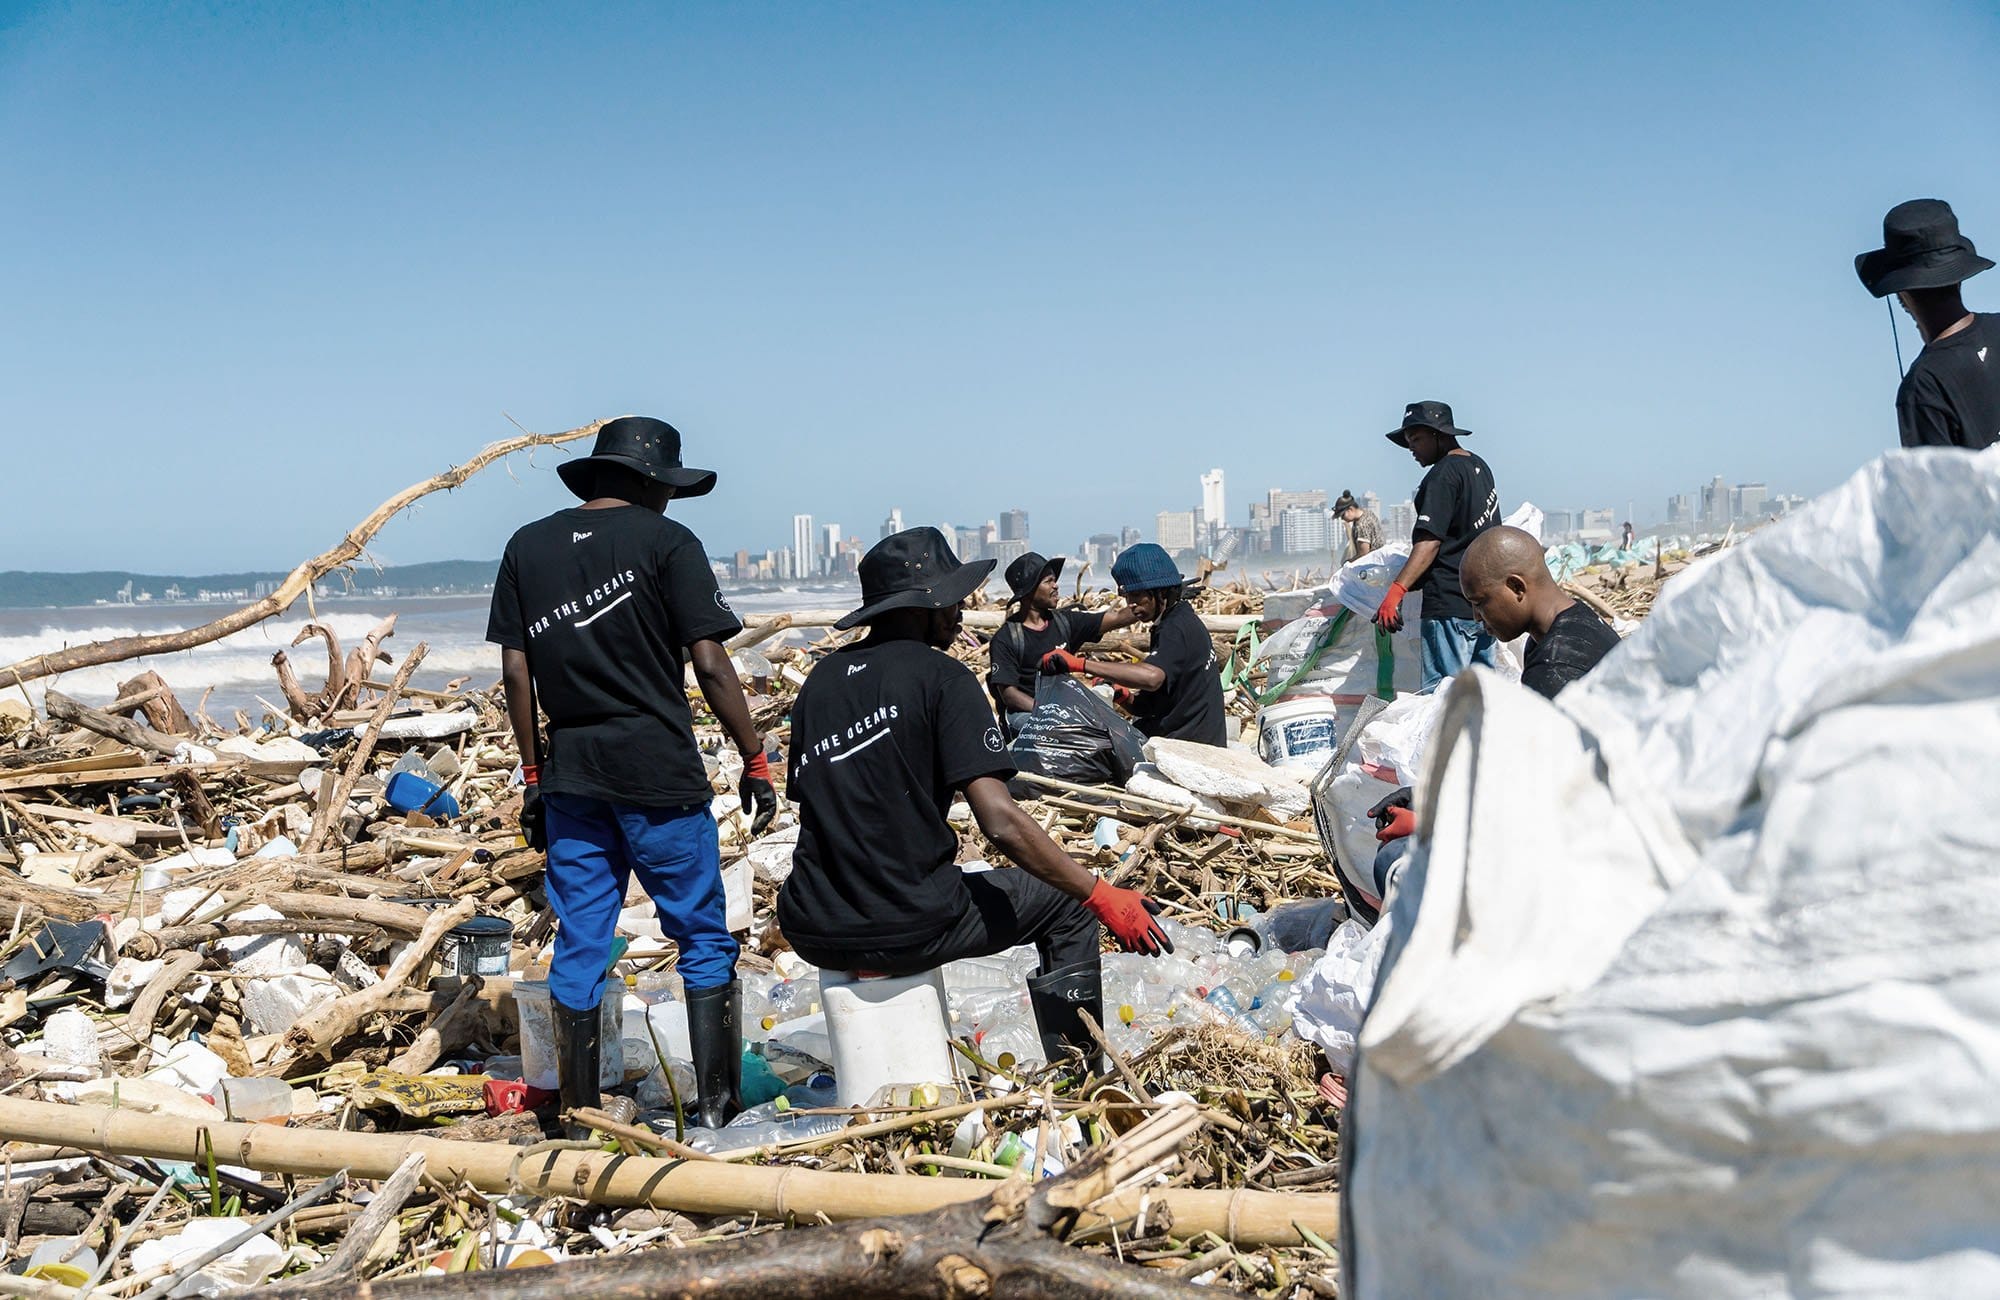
296 584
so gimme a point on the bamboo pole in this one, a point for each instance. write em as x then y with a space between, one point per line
1250 1218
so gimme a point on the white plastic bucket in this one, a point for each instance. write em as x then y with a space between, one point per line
1299 732
885 1031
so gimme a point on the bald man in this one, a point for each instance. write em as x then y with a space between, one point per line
1508 583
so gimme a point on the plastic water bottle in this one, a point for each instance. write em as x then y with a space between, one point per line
1012 1043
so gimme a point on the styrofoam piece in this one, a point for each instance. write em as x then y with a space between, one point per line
188 1066
737 904
150 1095
69 1037
245 1266
430 726
770 855
271 1006
1231 775
281 847
275 749
1148 783
261 956
885 1031
126 980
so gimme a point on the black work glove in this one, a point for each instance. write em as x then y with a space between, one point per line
533 827
756 793
1385 812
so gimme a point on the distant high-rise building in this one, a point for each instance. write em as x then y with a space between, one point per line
968 545
1128 536
1716 508
989 533
1399 521
1372 503
1175 530
1749 499
1278 500
1101 550
1303 530
741 570
788 564
1599 521
805 547
1557 523
894 523
1005 552
830 548
1014 526
1680 510
1214 507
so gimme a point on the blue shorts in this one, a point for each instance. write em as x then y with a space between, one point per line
595 847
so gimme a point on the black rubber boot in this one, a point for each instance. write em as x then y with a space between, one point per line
576 1061
715 1035
1057 997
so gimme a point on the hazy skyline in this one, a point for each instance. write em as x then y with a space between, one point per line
271 264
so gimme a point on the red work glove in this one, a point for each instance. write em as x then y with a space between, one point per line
1398 823
534 819
756 793
1128 914
1389 614
1123 697
1061 661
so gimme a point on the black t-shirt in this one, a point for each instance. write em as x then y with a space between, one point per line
882 735
1189 705
1455 503
1017 649
604 603
1951 397
1577 639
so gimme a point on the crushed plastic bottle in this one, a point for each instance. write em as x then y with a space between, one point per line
1012 1043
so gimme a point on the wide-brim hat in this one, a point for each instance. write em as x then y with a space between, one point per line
913 569
1145 567
637 442
1435 416
1026 573
1921 249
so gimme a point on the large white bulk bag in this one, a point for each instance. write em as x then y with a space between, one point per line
1694 984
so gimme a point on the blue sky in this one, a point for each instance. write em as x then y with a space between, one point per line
268 264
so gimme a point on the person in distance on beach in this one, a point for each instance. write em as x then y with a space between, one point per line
1508 582
596 610
1036 626
884 733
1951 395
1176 691
1456 501
1364 527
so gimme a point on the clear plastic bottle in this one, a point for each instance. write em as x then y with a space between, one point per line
1012 1043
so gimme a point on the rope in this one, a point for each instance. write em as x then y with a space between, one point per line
1894 333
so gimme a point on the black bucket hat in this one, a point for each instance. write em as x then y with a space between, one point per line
1026 573
1435 416
913 569
652 447
1921 249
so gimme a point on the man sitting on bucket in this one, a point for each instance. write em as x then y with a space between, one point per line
1176 691
884 733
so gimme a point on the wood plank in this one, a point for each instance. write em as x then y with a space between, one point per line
104 822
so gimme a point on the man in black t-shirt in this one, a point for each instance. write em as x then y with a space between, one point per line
884 733
1176 691
1455 503
1035 627
1508 582
597 609
1951 395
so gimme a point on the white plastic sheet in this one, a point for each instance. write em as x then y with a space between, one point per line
1695 982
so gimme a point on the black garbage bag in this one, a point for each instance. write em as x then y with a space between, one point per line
1073 735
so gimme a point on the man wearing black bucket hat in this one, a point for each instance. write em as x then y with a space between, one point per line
884 733
597 609
1034 627
1455 503
1951 395
1176 691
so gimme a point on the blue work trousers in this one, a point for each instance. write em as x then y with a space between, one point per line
1450 645
595 847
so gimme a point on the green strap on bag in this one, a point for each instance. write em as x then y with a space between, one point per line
1231 674
1385 661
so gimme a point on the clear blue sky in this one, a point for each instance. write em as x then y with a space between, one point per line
268 263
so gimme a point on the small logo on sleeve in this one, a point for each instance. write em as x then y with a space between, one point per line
722 604
994 741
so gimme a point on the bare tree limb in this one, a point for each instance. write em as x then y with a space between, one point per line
296 584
